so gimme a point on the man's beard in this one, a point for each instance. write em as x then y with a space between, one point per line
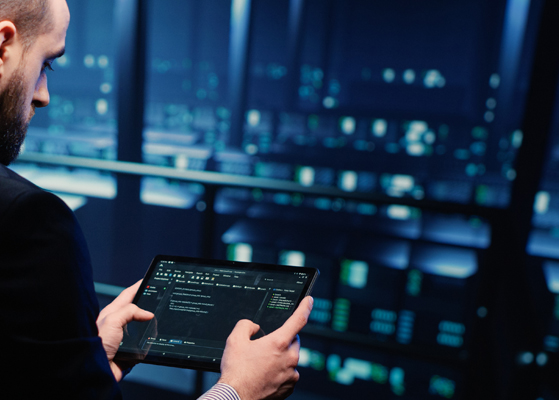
13 120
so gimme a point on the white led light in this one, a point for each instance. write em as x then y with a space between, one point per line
403 182
306 176
409 76
103 62
388 75
541 204
399 212
89 61
293 258
181 161
379 127
304 357
348 181
347 125
253 117
243 252
102 106
416 149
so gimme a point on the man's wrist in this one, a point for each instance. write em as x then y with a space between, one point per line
221 391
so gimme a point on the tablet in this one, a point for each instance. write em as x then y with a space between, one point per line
197 303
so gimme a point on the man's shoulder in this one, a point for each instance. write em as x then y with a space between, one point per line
14 186
10 180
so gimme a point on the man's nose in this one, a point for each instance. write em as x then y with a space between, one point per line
41 97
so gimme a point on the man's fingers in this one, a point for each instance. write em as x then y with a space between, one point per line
296 343
125 297
245 329
126 314
298 320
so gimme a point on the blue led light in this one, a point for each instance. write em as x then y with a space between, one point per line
551 273
446 261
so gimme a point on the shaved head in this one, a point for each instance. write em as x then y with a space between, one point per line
31 18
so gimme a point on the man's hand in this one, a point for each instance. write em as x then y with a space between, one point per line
264 368
112 320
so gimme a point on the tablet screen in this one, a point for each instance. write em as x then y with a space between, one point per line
197 303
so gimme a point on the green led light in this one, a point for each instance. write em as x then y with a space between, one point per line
413 287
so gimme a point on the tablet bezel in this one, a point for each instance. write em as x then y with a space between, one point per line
213 366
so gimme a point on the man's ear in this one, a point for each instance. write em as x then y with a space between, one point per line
7 37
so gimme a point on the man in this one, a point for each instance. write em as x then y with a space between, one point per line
54 340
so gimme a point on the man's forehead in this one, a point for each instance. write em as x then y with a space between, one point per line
60 15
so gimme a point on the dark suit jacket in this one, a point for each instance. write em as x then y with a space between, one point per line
49 345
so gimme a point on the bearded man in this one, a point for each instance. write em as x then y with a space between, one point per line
55 341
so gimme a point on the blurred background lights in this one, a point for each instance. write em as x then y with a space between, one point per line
106 88
379 127
329 102
348 181
402 183
433 78
63 61
103 62
511 174
415 149
251 149
429 137
102 106
347 125
293 258
517 137
388 74
489 116
551 273
89 61
409 76
541 203
494 81
525 358
541 359
181 161
253 117
356 273
398 212
491 103
306 176
241 252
